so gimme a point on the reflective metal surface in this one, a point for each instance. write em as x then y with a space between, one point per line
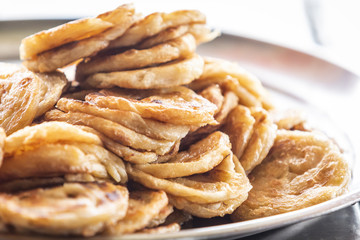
327 92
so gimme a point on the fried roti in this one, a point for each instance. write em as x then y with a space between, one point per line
209 210
200 32
144 206
228 83
161 217
45 133
118 20
290 119
72 209
175 73
19 99
239 126
163 36
201 157
2 144
154 24
25 95
177 105
261 140
55 159
113 130
301 170
151 128
23 184
232 77
214 94
72 31
179 48
56 149
52 86
178 216
219 184
126 153
229 101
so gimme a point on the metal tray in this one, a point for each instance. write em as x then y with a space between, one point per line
295 79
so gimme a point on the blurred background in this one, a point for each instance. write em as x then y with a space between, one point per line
326 27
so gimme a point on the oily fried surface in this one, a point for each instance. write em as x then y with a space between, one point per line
177 105
52 86
144 206
201 157
114 165
51 59
209 210
261 140
161 217
221 68
25 95
55 159
64 55
179 48
113 130
230 102
228 83
23 184
60 35
131 120
239 126
170 74
225 104
201 189
19 98
200 32
219 184
2 143
132 155
56 149
72 209
163 36
17 185
177 216
154 24
232 77
57 36
290 119
126 153
45 133
214 94
77 94
301 170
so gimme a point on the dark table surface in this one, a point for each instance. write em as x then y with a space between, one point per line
340 225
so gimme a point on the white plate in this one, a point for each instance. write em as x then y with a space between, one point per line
296 80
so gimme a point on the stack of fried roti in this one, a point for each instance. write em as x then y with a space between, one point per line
148 133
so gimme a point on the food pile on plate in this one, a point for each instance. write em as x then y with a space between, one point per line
148 134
